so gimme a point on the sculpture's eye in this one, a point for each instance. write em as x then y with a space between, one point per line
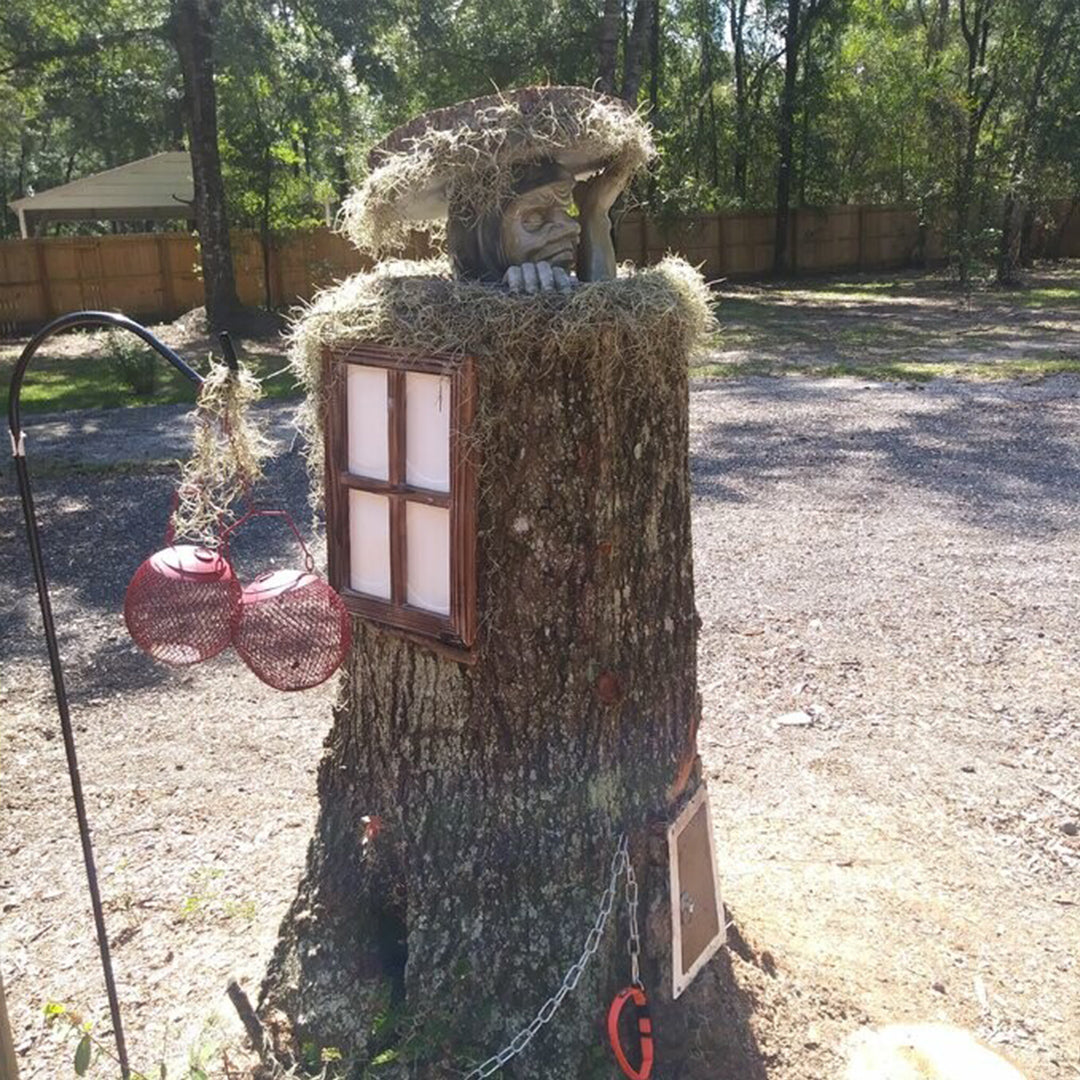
533 220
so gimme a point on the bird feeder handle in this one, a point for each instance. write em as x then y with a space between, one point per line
229 352
254 512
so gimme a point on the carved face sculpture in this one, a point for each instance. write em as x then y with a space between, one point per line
532 226
536 226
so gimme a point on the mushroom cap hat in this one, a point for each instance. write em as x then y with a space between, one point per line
464 158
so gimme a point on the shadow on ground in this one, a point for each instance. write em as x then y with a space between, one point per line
899 327
1002 457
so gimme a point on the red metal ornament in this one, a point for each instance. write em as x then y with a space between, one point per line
290 627
636 995
179 606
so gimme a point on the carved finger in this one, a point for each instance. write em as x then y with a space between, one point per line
543 272
562 279
532 279
513 278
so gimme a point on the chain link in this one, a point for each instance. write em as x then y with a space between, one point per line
620 864
633 944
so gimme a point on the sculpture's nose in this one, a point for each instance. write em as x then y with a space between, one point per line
569 225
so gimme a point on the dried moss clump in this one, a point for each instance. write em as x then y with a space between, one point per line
227 455
465 158
642 326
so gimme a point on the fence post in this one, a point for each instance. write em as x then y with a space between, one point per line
861 258
793 221
721 259
43 279
278 290
168 288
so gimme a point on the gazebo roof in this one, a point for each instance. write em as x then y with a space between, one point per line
159 186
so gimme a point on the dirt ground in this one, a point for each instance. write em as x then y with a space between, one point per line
886 577
907 326
899 566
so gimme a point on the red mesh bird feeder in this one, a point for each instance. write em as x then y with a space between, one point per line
179 606
290 627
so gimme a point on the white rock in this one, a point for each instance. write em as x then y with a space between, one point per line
794 719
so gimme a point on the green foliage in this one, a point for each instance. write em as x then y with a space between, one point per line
82 1055
76 379
87 1047
206 902
883 99
134 365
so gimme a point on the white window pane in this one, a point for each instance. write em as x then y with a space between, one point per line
369 544
369 450
427 544
427 431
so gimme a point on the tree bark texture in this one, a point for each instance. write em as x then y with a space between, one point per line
469 812
741 148
192 31
1020 186
706 28
637 49
980 89
607 46
786 136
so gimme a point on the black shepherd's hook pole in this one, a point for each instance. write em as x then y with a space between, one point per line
18 449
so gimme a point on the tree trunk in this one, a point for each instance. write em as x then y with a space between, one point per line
741 149
655 60
1009 250
469 812
980 89
608 46
1009 246
786 137
637 47
192 31
707 136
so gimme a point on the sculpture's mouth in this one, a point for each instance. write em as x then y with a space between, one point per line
559 253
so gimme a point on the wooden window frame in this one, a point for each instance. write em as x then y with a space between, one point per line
451 635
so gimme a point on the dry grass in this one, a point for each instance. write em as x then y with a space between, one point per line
477 158
228 451
640 325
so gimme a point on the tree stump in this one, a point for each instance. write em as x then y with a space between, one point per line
470 811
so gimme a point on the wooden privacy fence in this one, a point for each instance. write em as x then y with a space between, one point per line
741 245
156 275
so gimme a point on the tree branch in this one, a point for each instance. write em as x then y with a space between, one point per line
86 46
964 28
763 67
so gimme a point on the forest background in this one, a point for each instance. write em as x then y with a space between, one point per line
966 110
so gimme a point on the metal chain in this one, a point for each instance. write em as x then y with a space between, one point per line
620 863
633 945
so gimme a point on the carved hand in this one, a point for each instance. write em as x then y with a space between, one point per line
594 198
597 195
538 277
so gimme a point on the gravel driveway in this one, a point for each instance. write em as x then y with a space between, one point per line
887 582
